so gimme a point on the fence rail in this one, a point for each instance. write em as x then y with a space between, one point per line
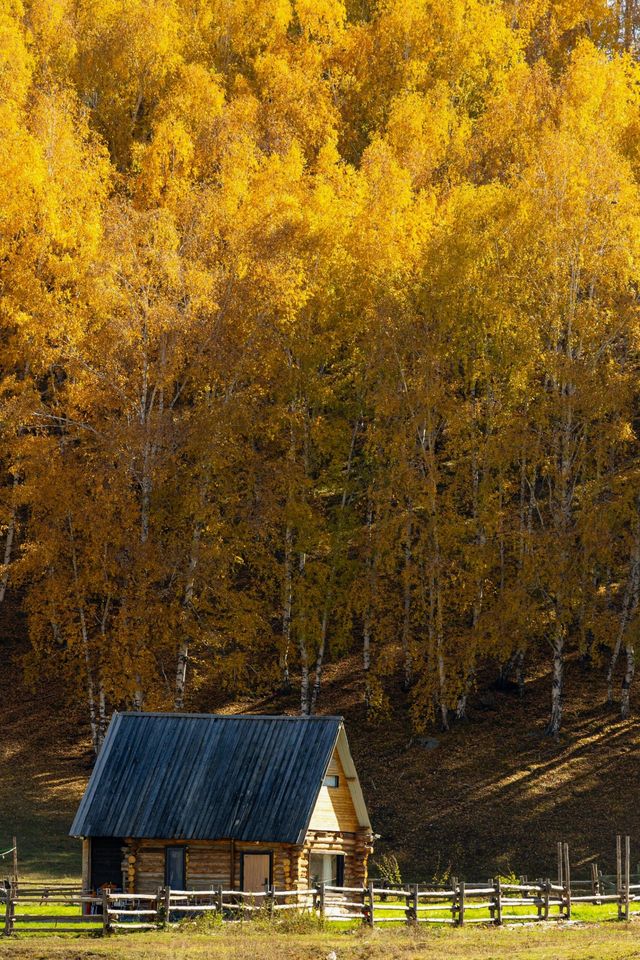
458 903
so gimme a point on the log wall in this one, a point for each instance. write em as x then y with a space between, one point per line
355 847
213 862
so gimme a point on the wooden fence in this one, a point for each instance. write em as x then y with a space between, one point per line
43 907
495 902
23 901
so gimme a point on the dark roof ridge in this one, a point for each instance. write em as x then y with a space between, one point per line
226 716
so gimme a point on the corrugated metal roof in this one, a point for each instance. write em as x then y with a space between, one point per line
207 777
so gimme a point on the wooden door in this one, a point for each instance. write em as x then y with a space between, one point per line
256 872
175 867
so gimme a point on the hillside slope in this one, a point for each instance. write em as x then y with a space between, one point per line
493 794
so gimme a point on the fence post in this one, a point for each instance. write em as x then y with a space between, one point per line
15 863
497 884
270 899
547 895
627 875
159 905
567 879
619 871
106 926
166 906
461 903
370 918
539 898
10 910
407 901
321 899
560 870
219 899
414 903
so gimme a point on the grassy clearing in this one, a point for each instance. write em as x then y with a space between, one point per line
599 942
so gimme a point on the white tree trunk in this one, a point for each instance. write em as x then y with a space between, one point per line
366 625
315 693
183 650
4 580
8 545
138 694
181 674
629 608
407 655
557 683
91 703
305 698
366 659
627 680
305 701
287 608
102 715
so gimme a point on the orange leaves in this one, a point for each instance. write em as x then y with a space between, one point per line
319 327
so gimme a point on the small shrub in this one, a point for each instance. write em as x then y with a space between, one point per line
287 921
202 923
389 869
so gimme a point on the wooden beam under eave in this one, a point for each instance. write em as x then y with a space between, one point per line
86 865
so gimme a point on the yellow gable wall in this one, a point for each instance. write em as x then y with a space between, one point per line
334 809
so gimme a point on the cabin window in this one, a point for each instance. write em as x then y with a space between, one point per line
327 868
331 780
175 863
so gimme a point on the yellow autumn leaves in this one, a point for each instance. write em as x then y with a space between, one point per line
319 340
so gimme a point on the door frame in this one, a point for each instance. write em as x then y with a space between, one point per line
256 853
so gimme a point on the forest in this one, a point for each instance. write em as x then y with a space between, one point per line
320 338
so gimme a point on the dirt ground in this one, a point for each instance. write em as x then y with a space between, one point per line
492 795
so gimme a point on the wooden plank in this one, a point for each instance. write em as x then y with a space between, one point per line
66 901
61 918
132 896
132 913
134 926
59 929
199 908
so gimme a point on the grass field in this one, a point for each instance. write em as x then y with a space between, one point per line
588 942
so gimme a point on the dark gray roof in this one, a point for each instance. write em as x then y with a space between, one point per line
207 777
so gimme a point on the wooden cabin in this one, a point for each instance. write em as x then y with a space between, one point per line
197 800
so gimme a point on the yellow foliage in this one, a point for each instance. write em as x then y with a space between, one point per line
319 335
